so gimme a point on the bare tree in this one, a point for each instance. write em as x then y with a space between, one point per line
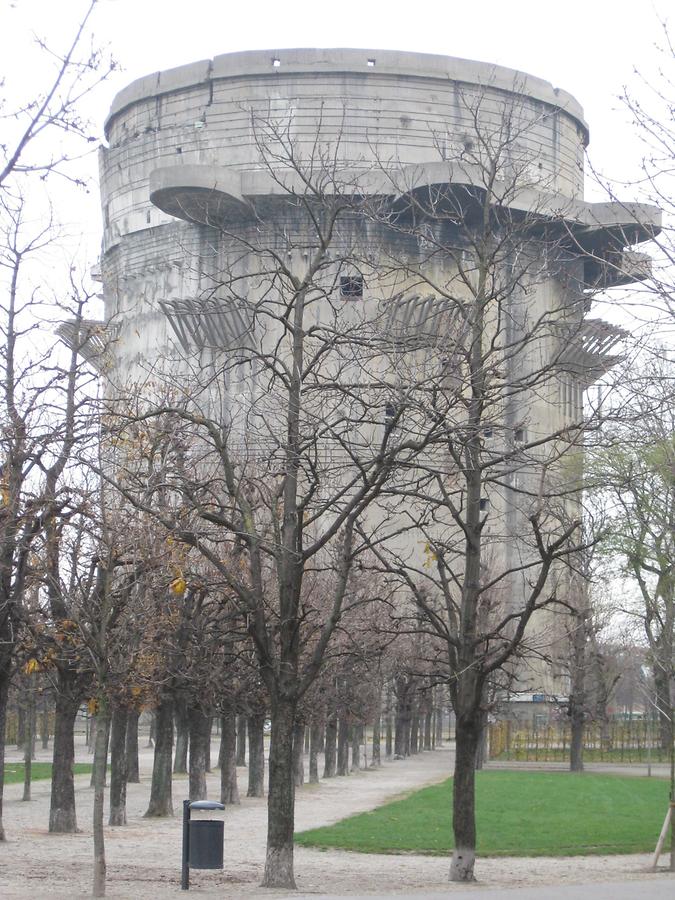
499 514
41 135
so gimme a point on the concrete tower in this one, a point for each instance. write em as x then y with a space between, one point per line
204 163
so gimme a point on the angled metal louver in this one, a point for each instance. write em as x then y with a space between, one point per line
213 324
91 338
416 321
588 354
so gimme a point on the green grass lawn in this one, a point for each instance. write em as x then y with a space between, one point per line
39 771
518 814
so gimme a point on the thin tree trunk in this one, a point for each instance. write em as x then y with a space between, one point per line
415 733
315 732
298 750
133 776
62 816
100 760
330 746
356 747
200 733
464 799
118 766
663 703
91 732
427 729
106 725
182 737
280 799
229 791
256 755
439 724
343 747
29 746
241 740
44 722
161 803
377 725
389 738
20 725
152 733
4 692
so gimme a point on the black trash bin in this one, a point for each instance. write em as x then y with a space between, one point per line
203 839
206 844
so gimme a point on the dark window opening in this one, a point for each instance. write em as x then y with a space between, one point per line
179 149
519 435
351 286
389 413
483 504
487 432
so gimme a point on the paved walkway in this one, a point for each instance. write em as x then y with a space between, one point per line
657 888
144 856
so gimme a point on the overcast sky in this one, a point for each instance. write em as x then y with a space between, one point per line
590 48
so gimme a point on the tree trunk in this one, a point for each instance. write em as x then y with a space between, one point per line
281 799
663 705
106 725
152 733
482 745
44 722
20 725
467 733
256 755
133 775
298 750
439 724
229 791
118 766
62 817
343 747
241 740
389 738
330 744
377 725
428 728
200 733
100 760
161 803
90 732
29 748
357 731
4 692
315 732
415 733
576 738
182 737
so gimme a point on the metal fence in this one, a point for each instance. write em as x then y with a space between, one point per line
636 741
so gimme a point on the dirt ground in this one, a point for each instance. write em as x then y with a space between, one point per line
144 856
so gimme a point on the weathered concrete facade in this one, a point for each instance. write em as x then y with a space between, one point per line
196 178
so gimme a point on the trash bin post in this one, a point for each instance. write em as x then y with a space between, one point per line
202 840
185 871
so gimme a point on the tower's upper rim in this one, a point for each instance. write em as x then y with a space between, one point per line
402 64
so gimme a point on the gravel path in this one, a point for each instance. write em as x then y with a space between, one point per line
144 856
